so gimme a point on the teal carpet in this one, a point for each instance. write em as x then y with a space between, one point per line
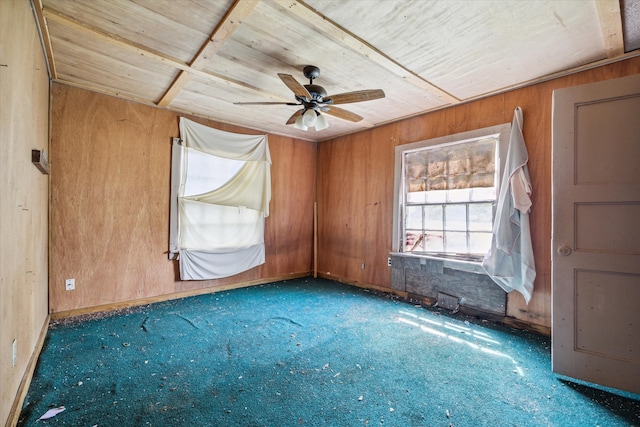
305 352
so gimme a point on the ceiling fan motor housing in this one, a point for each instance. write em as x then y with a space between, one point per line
317 92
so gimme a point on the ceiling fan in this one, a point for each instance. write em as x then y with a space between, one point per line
314 99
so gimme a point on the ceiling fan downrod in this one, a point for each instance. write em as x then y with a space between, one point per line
317 92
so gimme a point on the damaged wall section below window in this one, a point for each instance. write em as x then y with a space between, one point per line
428 277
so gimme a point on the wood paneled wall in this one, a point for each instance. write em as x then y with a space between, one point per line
110 171
24 125
110 176
355 185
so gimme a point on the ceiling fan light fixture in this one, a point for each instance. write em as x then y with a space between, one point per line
321 122
299 123
309 118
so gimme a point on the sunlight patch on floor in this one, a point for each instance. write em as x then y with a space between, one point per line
452 332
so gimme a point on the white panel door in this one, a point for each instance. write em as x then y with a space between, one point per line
596 233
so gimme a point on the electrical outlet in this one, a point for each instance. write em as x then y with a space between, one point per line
389 262
14 353
70 284
362 266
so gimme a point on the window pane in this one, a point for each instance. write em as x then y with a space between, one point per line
480 217
417 197
207 172
483 180
455 242
439 196
483 163
479 243
413 241
480 194
415 167
437 168
459 195
455 217
433 242
433 217
415 184
414 217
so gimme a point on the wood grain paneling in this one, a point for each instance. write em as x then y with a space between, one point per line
24 107
290 224
536 109
357 214
378 210
336 221
110 162
357 170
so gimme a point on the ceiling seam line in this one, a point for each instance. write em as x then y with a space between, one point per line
353 42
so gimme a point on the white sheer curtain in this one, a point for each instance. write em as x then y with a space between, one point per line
222 198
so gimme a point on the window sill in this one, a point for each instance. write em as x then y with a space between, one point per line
470 266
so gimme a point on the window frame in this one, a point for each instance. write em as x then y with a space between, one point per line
502 132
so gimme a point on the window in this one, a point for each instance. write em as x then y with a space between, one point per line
221 188
446 191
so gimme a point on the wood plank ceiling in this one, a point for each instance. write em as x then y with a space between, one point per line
201 56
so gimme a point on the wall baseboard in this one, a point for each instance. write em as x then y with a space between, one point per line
16 408
168 297
346 281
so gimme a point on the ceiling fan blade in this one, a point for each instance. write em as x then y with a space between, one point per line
265 103
295 86
293 118
342 114
356 96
